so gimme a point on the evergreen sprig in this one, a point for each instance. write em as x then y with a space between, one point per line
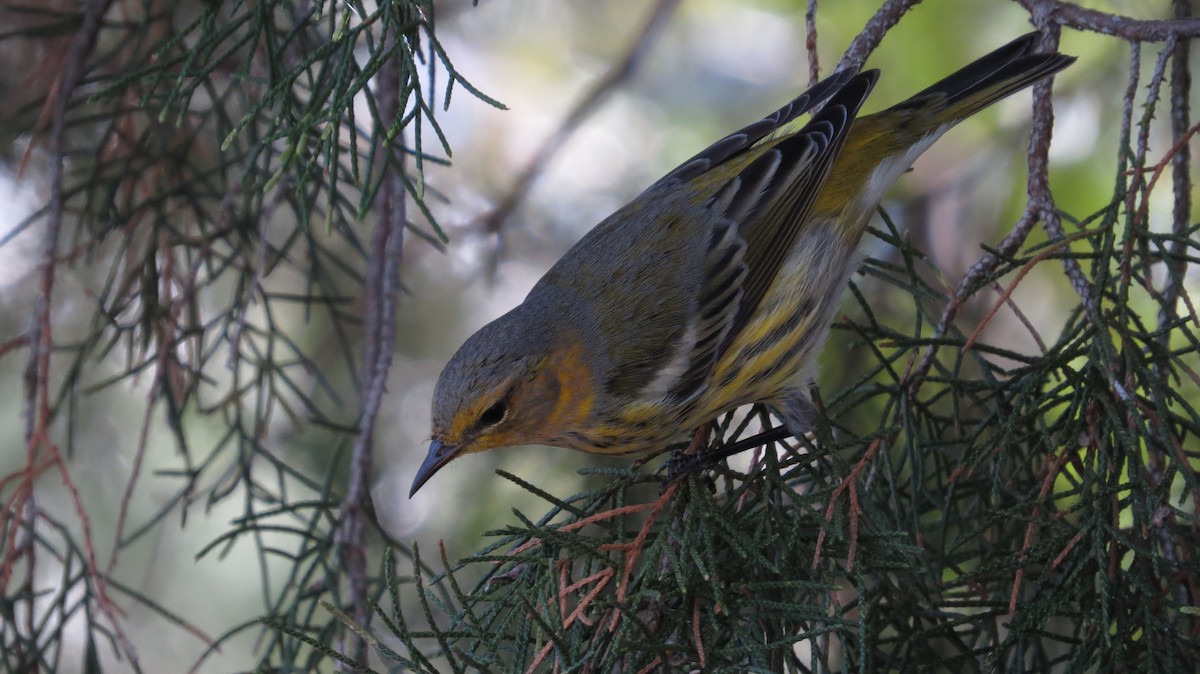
221 164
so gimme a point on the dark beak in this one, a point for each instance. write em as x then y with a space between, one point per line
439 455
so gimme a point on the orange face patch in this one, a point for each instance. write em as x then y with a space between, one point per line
555 397
576 391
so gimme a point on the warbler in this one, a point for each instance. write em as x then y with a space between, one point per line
715 287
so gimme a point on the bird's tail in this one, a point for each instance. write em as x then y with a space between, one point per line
988 79
883 145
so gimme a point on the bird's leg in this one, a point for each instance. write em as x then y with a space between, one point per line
700 439
797 411
692 457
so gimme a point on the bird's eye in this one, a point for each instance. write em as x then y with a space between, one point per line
494 414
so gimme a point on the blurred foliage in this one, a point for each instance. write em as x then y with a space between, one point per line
222 163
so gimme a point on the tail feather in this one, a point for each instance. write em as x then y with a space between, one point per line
882 145
990 78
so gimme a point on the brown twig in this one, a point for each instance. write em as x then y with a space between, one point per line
1047 482
810 42
654 666
633 549
886 16
1029 326
1006 295
38 412
541 655
1138 185
382 282
1081 18
1067 549
1170 158
600 578
493 221
591 519
1181 177
849 484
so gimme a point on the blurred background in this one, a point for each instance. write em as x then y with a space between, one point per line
715 66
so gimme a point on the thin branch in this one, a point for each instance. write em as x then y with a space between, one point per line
868 39
810 42
379 327
1031 528
850 483
1041 200
1072 15
1006 294
493 222
38 410
1181 177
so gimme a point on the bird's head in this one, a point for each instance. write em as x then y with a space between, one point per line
507 385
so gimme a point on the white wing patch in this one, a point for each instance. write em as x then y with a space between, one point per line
676 367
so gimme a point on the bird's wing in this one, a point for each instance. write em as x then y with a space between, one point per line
762 210
669 279
772 197
736 143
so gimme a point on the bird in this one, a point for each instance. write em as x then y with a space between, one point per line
715 287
